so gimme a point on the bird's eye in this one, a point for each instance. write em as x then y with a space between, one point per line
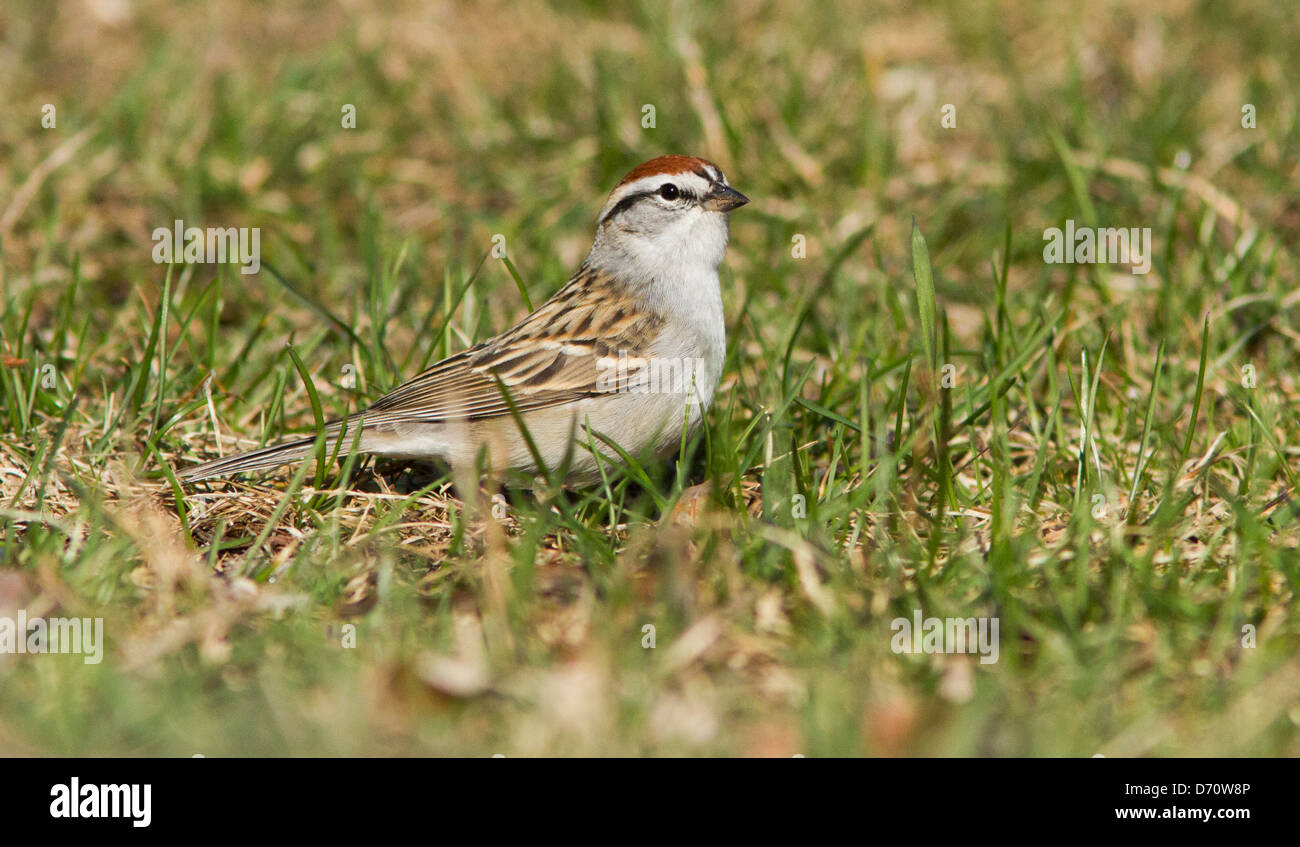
669 192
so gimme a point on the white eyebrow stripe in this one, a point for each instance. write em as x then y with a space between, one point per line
688 180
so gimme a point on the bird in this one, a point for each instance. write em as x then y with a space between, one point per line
629 351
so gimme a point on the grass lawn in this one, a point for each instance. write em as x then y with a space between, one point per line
920 414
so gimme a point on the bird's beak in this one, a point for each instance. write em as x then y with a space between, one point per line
724 198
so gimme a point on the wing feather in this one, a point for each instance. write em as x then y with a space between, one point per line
550 358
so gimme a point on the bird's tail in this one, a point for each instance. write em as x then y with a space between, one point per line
265 458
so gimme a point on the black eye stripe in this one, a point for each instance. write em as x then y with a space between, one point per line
626 203
632 199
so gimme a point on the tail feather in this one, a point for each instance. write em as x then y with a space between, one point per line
261 459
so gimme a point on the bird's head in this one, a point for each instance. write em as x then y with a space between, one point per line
668 214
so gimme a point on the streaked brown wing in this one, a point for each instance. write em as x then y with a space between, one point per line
548 359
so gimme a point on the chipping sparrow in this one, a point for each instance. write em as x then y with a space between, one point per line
632 347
